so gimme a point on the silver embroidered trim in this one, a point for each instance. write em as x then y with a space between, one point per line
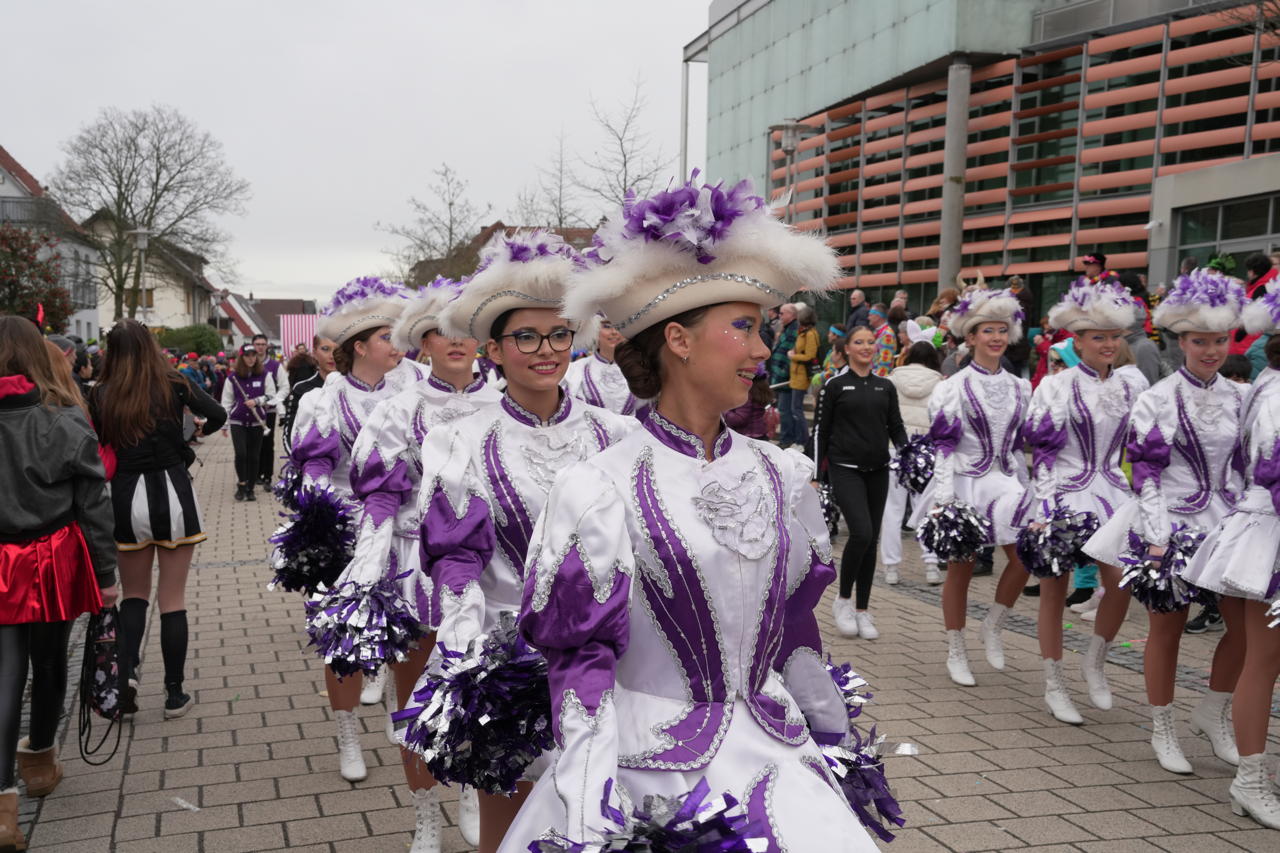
471 321
739 515
342 333
774 294
546 573
768 775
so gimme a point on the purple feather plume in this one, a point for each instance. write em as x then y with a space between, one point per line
523 247
692 823
1054 547
859 771
954 531
359 627
914 463
1157 582
484 715
315 543
1206 287
360 289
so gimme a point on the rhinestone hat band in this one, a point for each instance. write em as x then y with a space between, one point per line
342 333
471 323
681 285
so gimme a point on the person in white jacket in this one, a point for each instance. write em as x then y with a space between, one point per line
915 380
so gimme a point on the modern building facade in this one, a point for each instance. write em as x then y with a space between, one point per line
942 136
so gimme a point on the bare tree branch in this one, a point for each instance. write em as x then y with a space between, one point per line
151 169
624 160
441 230
1261 17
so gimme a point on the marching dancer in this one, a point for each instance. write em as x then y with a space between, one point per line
673 577
386 473
1078 424
486 476
358 320
1184 450
980 476
597 379
244 395
1237 562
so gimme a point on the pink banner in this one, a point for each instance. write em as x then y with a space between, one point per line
296 329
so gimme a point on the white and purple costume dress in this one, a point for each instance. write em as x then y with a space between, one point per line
673 598
1076 431
386 474
1184 449
485 479
1238 558
977 419
601 383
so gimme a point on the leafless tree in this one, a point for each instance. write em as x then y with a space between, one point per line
529 209
442 228
625 159
150 169
1261 17
557 184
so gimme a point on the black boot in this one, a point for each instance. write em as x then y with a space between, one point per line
240 491
173 646
133 624
249 493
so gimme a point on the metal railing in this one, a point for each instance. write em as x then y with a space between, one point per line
37 212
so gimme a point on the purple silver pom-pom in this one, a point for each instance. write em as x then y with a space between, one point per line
357 628
913 466
691 823
859 770
1273 613
1053 548
830 510
851 687
1157 582
484 715
287 487
954 531
315 544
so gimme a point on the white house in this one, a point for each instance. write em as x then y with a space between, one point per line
24 202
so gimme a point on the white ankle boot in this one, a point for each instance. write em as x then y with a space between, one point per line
932 576
1210 718
1164 740
350 757
1251 792
846 619
1056 696
426 831
958 660
469 815
371 691
389 703
991 628
1093 667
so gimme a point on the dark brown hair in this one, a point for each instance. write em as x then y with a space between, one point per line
923 352
640 358
242 368
344 357
136 387
23 352
761 392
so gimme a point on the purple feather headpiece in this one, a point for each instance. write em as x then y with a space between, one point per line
988 306
1103 304
1203 301
1262 315
361 290
363 303
422 310
523 247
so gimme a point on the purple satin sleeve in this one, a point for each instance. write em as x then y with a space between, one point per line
946 433
800 623
1045 439
315 453
454 550
581 638
1266 473
1149 456
376 476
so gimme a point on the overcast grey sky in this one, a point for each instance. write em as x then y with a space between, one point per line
337 112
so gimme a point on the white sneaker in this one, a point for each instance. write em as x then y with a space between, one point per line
1056 696
1090 604
350 757
1089 616
992 625
469 815
891 576
371 692
846 621
958 660
1210 718
1164 740
932 576
426 830
866 628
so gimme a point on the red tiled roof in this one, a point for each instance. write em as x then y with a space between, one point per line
13 167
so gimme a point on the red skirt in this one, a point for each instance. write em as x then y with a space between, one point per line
49 579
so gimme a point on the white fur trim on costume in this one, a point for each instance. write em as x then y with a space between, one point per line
1094 305
987 306
422 313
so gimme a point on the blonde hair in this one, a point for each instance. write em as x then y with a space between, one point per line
1124 355
23 352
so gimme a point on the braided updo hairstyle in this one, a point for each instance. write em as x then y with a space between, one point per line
640 358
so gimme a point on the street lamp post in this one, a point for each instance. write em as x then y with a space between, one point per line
140 238
791 132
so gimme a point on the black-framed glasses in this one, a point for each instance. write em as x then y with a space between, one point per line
528 341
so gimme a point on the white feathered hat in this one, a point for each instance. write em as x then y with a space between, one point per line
987 306
1204 301
422 312
1262 315
1105 304
528 269
360 304
691 246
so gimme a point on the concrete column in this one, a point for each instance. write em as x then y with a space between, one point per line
953 165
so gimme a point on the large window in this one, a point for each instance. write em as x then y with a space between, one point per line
1237 228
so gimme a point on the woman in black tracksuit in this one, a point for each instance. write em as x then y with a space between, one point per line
857 418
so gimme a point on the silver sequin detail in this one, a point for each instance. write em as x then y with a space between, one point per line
502 294
774 294
739 515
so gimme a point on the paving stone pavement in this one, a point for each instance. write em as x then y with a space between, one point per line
253 765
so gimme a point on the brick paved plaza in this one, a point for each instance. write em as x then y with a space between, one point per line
253 765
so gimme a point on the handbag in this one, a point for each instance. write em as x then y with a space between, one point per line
100 684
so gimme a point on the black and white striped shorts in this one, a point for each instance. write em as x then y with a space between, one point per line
155 508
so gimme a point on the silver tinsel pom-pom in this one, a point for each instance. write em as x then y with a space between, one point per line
955 531
1053 548
1157 582
913 466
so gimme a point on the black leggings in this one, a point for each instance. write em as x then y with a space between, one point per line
247 443
861 496
44 644
267 452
